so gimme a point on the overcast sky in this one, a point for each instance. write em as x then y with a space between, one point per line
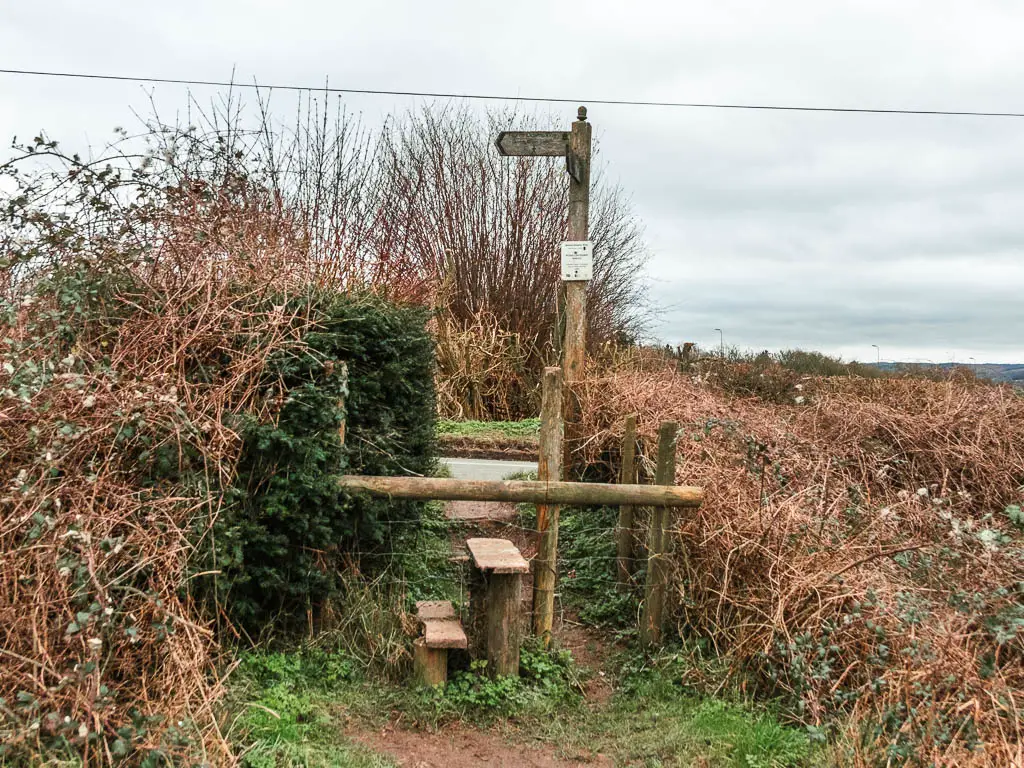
785 229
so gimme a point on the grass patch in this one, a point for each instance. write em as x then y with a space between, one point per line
286 704
684 725
527 428
291 706
653 719
686 731
422 560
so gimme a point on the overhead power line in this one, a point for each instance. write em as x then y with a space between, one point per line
501 97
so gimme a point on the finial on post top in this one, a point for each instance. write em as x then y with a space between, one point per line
581 113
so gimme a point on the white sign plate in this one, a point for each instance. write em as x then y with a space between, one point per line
577 260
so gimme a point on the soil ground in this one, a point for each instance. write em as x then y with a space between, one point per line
480 511
473 447
462 746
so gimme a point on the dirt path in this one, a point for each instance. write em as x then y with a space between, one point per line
460 746
480 511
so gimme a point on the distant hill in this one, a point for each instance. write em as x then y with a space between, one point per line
1008 372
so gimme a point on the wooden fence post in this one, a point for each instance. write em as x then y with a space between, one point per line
545 565
624 533
656 589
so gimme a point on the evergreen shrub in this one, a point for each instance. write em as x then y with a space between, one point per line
286 532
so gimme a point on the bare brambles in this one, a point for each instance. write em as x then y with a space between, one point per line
860 553
101 405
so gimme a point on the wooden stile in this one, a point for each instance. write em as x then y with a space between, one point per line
500 567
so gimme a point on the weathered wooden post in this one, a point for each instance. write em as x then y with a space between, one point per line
656 589
577 270
430 665
577 252
578 164
549 467
441 631
624 533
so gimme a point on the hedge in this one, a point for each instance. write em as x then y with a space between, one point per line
286 531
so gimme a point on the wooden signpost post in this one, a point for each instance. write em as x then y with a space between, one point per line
577 269
574 146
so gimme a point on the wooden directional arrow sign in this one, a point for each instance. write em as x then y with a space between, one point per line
533 143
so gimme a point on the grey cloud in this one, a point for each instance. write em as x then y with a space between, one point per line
815 230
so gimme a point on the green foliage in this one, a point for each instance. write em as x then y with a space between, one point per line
760 742
546 680
284 703
311 664
655 719
527 428
549 670
279 541
422 558
586 566
472 692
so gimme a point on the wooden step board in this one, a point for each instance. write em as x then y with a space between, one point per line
497 556
441 627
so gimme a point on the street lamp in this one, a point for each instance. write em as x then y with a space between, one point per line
721 343
878 354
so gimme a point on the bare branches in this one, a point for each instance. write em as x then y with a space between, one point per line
484 230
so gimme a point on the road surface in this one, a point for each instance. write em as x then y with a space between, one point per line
486 469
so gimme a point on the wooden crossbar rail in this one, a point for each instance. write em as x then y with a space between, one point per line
536 491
